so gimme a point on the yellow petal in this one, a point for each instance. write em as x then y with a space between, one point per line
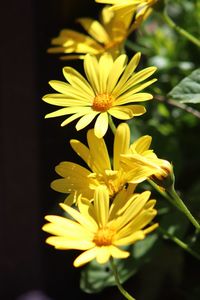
63 243
86 223
82 151
133 98
85 257
120 112
68 169
95 29
131 91
142 144
135 207
127 73
62 100
101 205
117 69
103 254
105 65
91 68
118 253
137 78
73 232
121 143
86 120
130 239
99 153
142 219
150 228
76 116
78 81
87 209
101 125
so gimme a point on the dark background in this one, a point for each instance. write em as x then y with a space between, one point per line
30 149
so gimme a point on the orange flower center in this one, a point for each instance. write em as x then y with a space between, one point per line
102 102
104 237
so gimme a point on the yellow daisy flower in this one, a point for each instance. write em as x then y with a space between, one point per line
125 7
78 180
110 89
106 35
140 154
100 229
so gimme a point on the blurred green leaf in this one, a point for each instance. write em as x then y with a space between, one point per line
188 90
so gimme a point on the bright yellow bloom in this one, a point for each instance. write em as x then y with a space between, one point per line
100 229
78 180
125 7
106 35
110 89
140 154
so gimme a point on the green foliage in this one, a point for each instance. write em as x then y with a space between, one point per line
188 90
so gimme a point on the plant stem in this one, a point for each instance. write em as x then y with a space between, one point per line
111 124
179 242
162 192
183 106
178 29
173 194
120 287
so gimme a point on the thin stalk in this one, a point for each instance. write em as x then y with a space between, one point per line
175 197
111 124
120 287
178 29
180 243
162 193
171 195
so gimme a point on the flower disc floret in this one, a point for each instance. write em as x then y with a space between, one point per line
104 237
102 102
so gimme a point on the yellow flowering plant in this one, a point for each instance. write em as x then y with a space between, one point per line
107 210
108 34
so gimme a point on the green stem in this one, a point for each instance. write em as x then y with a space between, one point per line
178 29
111 124
179 202
120 287
162 193
171 195
180 243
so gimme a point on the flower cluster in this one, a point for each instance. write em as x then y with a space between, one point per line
103 209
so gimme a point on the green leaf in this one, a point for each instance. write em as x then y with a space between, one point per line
96 277
188 89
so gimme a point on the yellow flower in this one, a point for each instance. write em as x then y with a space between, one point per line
100 229
125 7
78 180
140 154
108 34
110 89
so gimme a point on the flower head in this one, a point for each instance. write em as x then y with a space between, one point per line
140 154
78 180
126 7
99 228
106 35
110 89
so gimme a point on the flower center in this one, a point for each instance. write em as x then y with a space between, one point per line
102 102
104 236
